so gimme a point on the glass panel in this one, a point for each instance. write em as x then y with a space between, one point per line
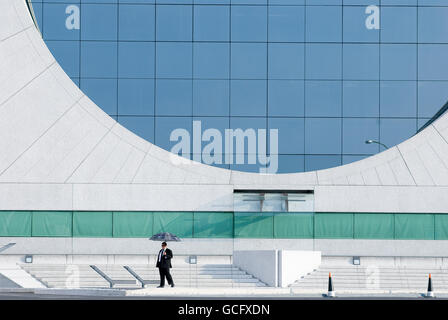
254 225
136 97
361 62
432 24
286 61
142 126
211 60
354 24
333 225
366 129
248 98
298 202
174 60
432 62
248 60
211 23
174 97
323 135
398 99
441 226
67 55
164 127
174 23
374 226
52 224
361 98
323 24
323 98
414 226
316 162
398 62
394 131
177 223
133 224
323 61
136 60
274 202
213 224
92 224
293 226
286 98
249 23
247 202
211 98
286 23
103 92
99 22
432 95
99 59
137 22
403 29
292 128
54 16
288 163
15 224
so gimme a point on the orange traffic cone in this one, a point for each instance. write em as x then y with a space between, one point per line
430 293
331 292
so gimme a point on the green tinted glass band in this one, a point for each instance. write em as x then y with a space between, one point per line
268 225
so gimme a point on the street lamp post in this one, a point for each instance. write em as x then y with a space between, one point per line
377 142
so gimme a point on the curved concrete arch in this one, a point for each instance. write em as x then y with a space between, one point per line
61 151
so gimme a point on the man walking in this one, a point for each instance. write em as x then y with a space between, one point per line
164 265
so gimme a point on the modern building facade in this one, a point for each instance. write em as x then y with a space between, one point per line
328 74
75 182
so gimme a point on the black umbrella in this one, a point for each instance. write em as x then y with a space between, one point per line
164 236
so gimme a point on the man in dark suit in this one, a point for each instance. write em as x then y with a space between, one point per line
164 264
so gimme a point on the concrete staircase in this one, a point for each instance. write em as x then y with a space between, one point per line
374 279
66 276
137 276
210 275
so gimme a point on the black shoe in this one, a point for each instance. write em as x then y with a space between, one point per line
172 285
160 286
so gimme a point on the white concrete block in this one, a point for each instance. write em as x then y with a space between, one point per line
262 264
294 265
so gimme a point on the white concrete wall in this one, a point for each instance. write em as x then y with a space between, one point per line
387 262
277 268
262 264
210 247
293 265
59 151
